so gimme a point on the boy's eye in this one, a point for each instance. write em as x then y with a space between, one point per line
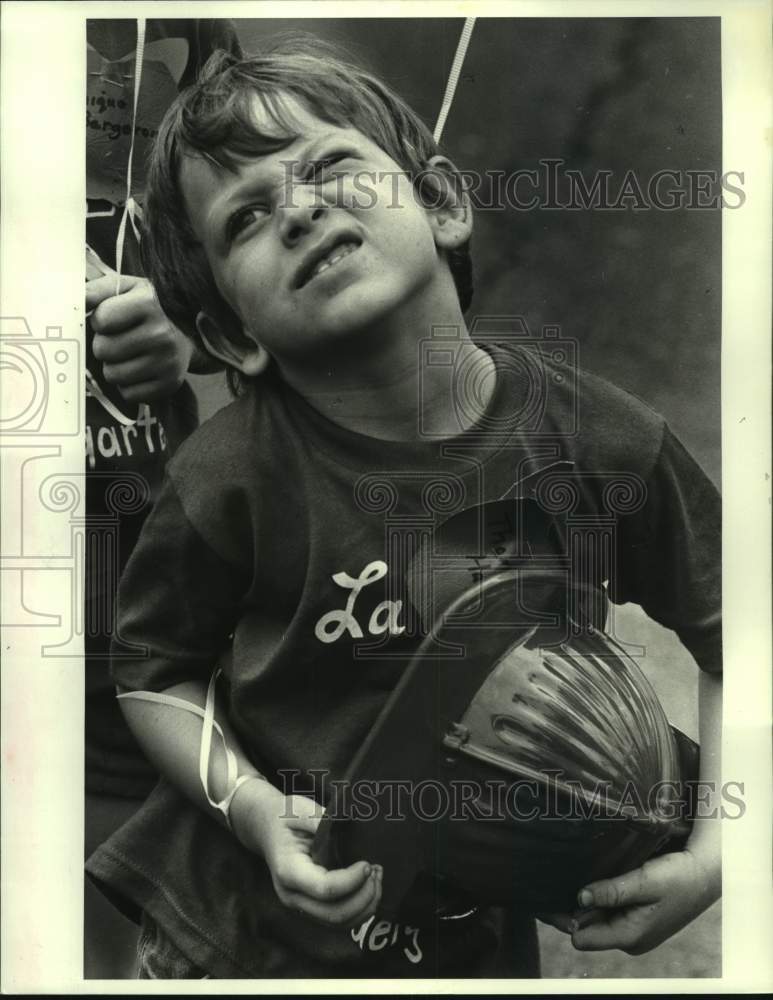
245 217
319 171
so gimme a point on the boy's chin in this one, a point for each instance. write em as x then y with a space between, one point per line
342 327
341 338
362 309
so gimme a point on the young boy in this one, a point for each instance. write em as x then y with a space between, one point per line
304 227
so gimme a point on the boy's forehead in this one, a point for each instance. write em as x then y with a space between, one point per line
285 112
287 127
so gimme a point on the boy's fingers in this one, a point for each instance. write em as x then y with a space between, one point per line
584 918
104 287
353 910
633 931
309 879
117 347
128 373
138 383
627 890
143 392
99 289
598 937
561 921
372 907
349 911
124 312
571 922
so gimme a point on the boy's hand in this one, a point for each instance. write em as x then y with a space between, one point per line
282 829
141 351
637 911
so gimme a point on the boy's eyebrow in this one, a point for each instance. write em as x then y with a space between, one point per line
256 181
311 151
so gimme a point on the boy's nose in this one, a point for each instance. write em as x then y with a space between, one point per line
301 214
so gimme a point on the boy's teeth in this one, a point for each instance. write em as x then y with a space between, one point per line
338 253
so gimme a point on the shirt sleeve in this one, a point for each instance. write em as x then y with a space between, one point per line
669 556
178 602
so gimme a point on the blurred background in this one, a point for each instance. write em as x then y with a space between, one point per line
638 289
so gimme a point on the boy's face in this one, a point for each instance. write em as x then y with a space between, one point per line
317 241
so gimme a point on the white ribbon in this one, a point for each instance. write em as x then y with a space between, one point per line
234 780
94 390
453 77
131 210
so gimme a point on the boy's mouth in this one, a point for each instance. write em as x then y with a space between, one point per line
325 256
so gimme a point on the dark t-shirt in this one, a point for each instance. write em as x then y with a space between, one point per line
127 446
288 533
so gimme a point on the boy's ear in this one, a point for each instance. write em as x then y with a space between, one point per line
444 194
250 357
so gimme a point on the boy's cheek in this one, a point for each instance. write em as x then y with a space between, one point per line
245 284
362 192
386 189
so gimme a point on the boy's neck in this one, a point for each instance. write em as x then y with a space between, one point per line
394 389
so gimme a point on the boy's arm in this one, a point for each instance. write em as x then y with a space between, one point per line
279 828
177 606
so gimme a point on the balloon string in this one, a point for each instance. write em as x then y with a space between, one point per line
233 779
130 208
453 76
94 390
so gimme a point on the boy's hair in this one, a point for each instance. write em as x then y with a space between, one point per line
213 118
